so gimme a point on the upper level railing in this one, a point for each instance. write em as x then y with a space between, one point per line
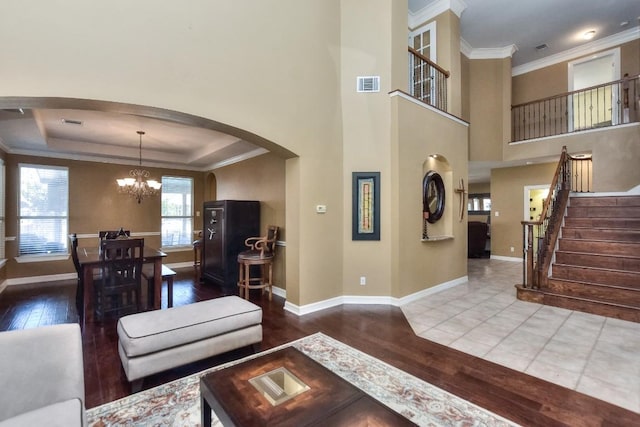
427 80
540 236
609 104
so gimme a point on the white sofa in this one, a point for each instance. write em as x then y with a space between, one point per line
42 377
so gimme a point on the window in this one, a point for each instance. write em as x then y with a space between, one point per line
177 205
44 210
479 204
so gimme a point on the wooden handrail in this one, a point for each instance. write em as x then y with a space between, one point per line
573 92
536 267
430 62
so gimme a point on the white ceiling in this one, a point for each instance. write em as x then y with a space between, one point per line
187 144
492 24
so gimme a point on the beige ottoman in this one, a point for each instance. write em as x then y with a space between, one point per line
155 341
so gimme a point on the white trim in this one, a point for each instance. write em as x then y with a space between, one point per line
595 46
3 285
177 248
434 9
25 259
506 258
368 300
432 290
428 107
465 48
251 154
491 52
41 279
136 234
431 27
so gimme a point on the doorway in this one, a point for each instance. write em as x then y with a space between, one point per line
586 73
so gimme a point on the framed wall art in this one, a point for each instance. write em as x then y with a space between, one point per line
366 206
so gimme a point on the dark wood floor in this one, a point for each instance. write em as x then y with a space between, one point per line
381 331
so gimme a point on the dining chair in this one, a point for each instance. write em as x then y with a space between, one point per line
113 234
73 238
261 253
118 291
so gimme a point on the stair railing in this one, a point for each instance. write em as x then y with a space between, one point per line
609 104
427 80
540 236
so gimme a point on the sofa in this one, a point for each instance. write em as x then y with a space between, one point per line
42 377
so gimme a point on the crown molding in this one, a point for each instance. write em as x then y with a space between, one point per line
491 52
465 48
431 11
586 49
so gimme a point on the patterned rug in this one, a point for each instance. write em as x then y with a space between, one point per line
178 403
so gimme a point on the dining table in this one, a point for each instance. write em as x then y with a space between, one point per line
89 260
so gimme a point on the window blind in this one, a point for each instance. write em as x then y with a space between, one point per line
177 208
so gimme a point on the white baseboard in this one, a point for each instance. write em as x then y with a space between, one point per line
41 279
506 258
3 285
362 299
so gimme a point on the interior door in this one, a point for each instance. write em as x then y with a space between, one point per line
423 40
595 107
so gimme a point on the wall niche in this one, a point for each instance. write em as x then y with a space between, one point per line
437 202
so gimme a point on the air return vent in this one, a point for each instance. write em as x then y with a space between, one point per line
368 84
72 122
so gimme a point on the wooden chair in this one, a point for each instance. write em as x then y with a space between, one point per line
73 238
262 252
113 234
197 254
118 290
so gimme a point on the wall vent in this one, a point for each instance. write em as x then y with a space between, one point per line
72 122
368 84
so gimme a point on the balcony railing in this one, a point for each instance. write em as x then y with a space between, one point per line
608 104
427 81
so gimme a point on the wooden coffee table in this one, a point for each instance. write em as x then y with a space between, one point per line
329 400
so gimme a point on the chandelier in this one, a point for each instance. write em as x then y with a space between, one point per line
137 184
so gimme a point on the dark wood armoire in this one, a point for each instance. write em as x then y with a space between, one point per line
226 225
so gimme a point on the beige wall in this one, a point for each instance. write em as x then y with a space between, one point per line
260 178
507 201
200 58
418 264
490 108
448 31
615 154
94 205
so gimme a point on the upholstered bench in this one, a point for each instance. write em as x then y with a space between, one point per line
154 341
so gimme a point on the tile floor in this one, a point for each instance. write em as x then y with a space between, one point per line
594 355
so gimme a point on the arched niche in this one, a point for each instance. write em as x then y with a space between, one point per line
211 187
437 202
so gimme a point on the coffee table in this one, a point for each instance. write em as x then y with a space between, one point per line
329 400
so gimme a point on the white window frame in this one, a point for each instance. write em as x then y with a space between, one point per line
420 31
63 255
189 215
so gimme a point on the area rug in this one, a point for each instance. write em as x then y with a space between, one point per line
177 403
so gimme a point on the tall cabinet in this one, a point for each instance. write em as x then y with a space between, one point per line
226 225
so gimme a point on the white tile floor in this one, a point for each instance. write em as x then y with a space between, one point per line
594 355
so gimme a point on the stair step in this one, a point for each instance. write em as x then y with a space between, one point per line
595 291
602 308
599 247
631 223
627 263
618 235
630 279
605 201
603 211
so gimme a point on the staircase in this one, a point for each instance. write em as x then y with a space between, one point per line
597 263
